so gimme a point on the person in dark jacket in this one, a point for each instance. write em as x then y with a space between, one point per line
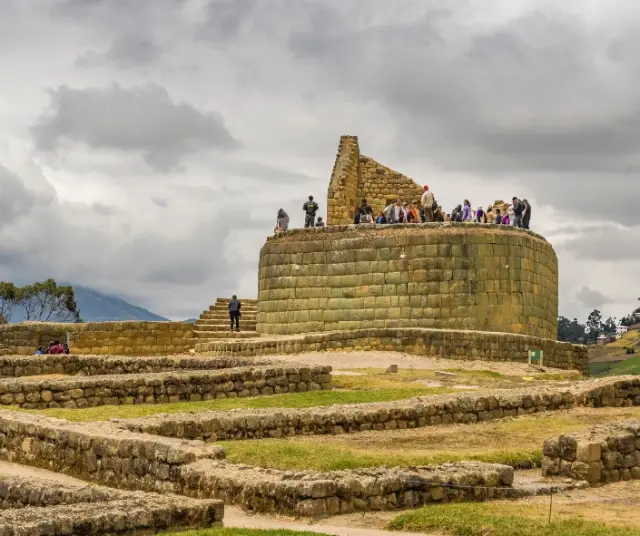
518 209
364 213
310 208
456 214
234 312
526 214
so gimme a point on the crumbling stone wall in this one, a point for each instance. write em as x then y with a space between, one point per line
451 344
94 365
445 276
606 453
122 338
356 176
107 454
417 412
161 387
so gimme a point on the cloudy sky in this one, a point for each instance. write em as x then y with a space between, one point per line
145 146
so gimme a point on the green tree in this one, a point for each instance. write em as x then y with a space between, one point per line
571 330
47 301
594 325
9 294
610 327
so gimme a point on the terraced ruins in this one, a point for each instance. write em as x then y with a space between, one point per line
380 381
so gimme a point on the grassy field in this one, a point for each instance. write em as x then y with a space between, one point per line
514 519
617 368
290 400
516 442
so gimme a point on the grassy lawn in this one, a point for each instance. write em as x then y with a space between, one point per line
290 400
516 442
245 532
514 520
618 368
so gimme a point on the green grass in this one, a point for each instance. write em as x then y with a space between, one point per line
617 368
290 400
304 455
246 532
479 520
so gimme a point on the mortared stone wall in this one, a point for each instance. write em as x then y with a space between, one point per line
443 276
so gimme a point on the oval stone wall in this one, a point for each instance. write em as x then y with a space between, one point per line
446 276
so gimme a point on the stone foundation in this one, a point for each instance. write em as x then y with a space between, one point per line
607 453
451 344
39 507
103 452
162 387
92 365
480 277
102 338
415 412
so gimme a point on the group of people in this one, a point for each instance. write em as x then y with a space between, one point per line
518 214
54 348
310 208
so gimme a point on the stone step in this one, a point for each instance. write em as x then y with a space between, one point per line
225 308
243 300
225 314
224 327
219 335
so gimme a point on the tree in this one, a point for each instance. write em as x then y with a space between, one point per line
8 298
47 301
571 330
594 325
610 327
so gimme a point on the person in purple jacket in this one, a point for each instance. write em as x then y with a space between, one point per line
467 213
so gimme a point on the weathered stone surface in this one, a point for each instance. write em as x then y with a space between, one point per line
14 366
415 412
162 386
605 453
483 277
123 338
451 344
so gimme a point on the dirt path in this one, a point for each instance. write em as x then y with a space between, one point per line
375 359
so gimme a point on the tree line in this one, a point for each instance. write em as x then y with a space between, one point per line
44 301
588 333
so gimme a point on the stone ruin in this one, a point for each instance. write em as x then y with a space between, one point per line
468 292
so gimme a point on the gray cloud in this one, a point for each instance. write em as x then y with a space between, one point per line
127 51
141 119
592 299
608 243
224 19
15 200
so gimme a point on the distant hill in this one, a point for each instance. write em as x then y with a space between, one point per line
99 307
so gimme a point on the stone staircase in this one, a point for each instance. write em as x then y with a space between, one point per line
214 322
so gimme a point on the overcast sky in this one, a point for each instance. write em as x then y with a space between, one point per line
146 145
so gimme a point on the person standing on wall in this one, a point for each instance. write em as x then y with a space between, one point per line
526 215
427 201
364 214
234 312
518 209
310 208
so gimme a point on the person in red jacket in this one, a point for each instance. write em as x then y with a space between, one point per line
57 348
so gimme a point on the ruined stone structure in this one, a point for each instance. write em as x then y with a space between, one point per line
444 276
356 176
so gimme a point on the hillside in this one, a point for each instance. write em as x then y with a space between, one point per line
612 359
99 307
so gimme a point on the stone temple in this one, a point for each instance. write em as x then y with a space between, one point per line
454 277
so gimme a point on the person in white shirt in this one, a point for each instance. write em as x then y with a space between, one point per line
427 201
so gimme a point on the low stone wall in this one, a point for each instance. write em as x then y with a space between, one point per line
162 387
100 452
606 453
40 507
102 338
105 453
312 494
451 344
415 412
92 365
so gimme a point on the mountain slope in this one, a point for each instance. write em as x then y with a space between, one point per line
98 307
